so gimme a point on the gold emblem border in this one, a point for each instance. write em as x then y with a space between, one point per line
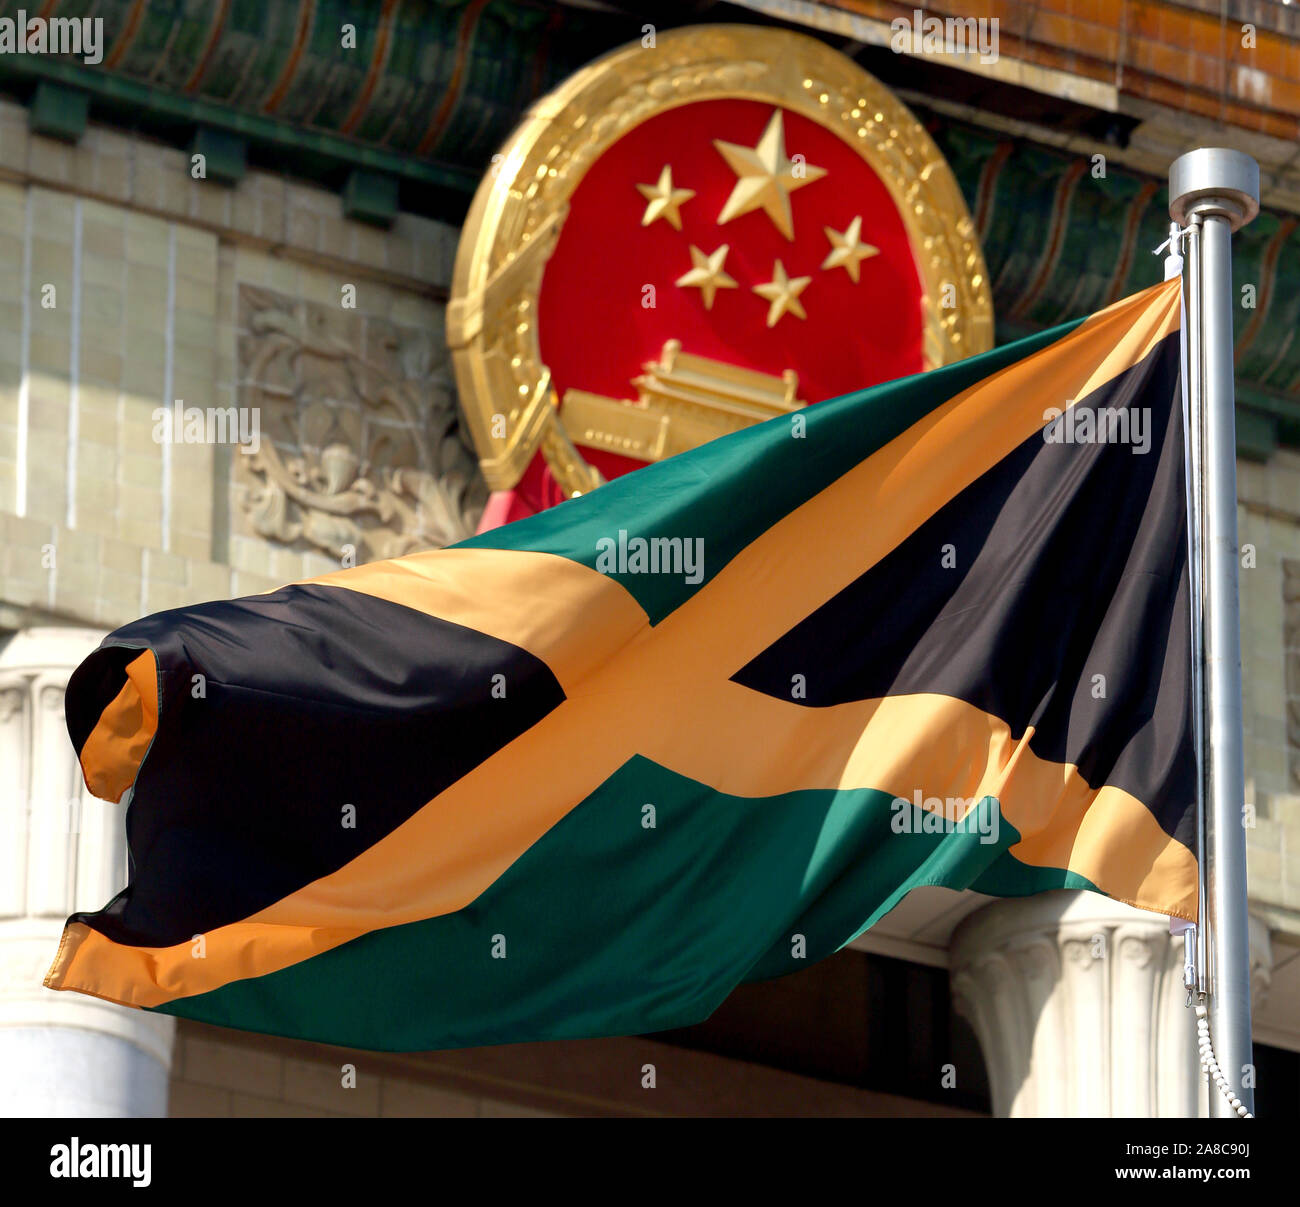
520 206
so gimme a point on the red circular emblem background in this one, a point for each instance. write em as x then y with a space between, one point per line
597 328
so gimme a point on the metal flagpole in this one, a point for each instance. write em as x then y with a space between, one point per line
1215 192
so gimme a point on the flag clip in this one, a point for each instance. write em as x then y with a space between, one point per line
1176 235
1174 260
1189 962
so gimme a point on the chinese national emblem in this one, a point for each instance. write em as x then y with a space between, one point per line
686 239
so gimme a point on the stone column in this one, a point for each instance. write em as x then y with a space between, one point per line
1079 1007
63 1054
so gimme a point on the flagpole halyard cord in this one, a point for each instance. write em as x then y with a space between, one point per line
1210 1066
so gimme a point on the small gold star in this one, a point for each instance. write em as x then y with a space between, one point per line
765 178
707 274
664 200
783 292
847 250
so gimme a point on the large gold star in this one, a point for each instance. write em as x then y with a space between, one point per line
783 292
847 251
664 200
765 178
707 275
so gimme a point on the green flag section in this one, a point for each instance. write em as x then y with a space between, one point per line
585 774
842 857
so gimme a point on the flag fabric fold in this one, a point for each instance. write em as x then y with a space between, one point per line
584 774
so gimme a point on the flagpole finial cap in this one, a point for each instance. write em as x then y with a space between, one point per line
1214 181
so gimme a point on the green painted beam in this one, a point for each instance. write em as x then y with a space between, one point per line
58 112
225 155
1282 414
370 197
126 95
1256 434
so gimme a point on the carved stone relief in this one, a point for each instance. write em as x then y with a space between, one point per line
362 449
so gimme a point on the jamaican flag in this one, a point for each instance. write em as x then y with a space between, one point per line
584 774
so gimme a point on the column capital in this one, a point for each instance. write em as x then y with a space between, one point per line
1078 1003
66 851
